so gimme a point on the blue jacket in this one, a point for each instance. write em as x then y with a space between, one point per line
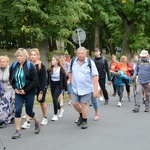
119 76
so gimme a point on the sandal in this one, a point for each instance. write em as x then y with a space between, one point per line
96 118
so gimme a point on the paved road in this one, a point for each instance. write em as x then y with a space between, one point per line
118 128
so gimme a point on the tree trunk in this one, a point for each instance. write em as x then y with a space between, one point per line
44 51
91 40
8 39
22 41
97 35
70 49
129 30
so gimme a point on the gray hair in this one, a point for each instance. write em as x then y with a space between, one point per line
22 51
82 48
4 57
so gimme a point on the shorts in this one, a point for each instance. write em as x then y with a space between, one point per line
44 95
81 98
69 86
62 92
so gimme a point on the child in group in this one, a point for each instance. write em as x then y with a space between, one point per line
58 82
121 79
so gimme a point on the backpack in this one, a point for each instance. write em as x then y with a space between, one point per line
73 59
15 63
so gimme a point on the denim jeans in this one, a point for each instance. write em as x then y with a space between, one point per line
94 102
28 99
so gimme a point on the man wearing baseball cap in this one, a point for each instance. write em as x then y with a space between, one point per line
142 70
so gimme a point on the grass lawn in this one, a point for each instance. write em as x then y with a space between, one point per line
9 53
49 98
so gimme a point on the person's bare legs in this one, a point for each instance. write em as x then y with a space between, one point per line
101 95
17 123
84 110
70 99
61 98
77 107
44 109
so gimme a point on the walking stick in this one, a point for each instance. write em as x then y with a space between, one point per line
134 88
2 143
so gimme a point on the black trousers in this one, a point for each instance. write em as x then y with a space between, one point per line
55 92
102 83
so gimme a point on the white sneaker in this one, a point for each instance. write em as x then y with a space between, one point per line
61 104
101 98
55 118
61 111
25 125
24 117
44 121
70 103
119 104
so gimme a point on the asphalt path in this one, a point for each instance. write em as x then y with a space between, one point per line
118 129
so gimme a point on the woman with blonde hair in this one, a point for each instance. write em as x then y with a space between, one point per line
127 68
23 78
34 55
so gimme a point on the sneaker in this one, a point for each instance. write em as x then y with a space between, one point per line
24 117
44 121
119 104
143 100
114 94
96 118
106 102
16 135
101 98
37 128
76 120
135 110
61 104
129 99
12 120
3 124
70 103
61 111
84 125
79 121
25 125
55 118
146 110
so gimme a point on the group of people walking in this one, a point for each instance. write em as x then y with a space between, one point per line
27 77
82 78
